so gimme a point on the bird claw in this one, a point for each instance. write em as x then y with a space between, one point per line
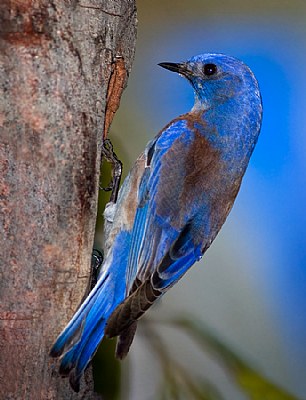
109 155
97 258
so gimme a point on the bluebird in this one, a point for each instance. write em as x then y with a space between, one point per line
170 207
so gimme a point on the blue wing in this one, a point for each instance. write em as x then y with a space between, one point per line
168 234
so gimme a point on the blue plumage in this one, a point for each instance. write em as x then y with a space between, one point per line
170 207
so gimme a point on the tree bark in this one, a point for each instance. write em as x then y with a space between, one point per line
63 66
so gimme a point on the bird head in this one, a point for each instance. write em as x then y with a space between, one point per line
216 78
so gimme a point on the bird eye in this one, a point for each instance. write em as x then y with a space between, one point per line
209 69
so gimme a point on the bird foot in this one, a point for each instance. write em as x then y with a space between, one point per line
109 155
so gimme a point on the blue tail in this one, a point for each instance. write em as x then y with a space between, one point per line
80 339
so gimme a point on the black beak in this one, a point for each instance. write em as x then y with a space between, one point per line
180 68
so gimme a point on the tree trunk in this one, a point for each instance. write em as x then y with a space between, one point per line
63 66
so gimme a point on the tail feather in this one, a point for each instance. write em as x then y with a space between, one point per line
67 362
71 335
82 352
80 339
125 340
86 354
92 334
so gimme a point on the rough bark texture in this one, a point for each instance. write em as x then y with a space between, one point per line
56 62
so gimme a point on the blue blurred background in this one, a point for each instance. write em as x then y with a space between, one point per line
250 288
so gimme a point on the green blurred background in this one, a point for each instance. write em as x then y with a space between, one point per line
245 301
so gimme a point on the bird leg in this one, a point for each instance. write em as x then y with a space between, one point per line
109 155
96 262
97 257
